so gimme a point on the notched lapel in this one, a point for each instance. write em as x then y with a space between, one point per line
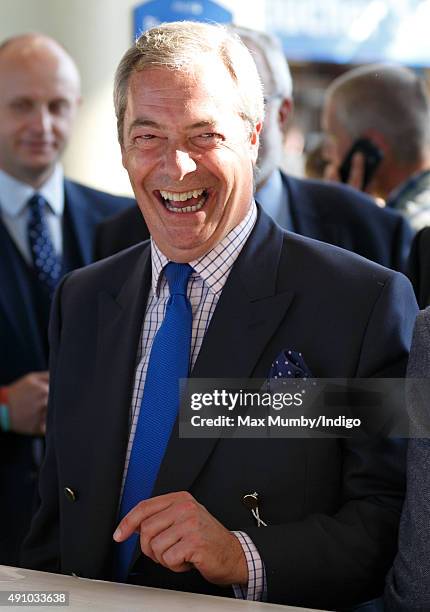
79 211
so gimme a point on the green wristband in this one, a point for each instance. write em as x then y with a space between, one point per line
4 418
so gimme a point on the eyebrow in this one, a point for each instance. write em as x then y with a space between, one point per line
139 122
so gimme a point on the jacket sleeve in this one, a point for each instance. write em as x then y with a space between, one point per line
408 583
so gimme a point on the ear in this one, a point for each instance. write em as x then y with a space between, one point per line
378 139
284 113
123 156
255 141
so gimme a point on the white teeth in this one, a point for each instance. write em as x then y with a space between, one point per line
181 197
185 209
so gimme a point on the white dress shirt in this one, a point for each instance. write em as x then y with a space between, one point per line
14 213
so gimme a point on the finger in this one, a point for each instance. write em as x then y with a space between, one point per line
153 529
356 175
144 509
176 557
164 539
331 173
43 375
41 385
40 401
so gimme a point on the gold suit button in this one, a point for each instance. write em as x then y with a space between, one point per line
70 494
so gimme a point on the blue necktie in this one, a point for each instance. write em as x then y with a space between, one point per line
168 362
46 262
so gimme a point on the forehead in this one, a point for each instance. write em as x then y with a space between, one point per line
207 90
37 74
328 117
263 67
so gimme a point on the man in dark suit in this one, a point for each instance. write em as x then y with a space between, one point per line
325 211
189 110
39 98
408 583
419 267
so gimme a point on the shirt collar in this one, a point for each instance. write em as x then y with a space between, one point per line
271 191
408 188
15 194
214 267
274 199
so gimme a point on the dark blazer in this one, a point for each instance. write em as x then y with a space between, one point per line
408 584
325 211
24 314
419 267
332 505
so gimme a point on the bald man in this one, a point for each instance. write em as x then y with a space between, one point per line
46 229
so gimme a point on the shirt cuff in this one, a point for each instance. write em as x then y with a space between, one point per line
256 589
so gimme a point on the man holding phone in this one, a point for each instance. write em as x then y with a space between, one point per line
377 119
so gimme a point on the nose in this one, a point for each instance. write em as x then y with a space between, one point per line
41 120
178 164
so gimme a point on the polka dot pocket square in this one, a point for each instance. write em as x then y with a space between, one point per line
289 364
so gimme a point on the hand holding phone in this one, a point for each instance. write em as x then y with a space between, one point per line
372 156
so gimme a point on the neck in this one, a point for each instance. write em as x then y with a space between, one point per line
390 177
34 178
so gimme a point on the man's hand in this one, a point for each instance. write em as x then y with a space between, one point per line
27 401
356 175
179 533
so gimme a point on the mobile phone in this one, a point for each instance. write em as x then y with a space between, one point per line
372 158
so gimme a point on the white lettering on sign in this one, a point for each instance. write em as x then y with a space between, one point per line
194 8
313 17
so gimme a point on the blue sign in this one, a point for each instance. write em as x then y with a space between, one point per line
353 31
149 14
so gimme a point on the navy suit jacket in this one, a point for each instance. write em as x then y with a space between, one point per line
329 212
23 348
419 267
332 506
408 584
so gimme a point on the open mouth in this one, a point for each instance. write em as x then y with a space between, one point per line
184 202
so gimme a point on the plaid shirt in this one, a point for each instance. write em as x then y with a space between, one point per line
204 289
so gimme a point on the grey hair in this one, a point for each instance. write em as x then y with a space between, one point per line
390 99
179 46
272 53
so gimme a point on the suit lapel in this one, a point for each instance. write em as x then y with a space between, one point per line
307 220
247 315
79 210
15 296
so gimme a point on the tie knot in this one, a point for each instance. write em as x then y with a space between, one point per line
177 275
36 203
